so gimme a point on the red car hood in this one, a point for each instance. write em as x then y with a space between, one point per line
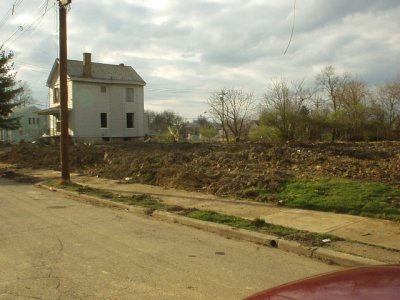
376 282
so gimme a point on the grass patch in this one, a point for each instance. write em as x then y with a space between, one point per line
255 225
142 200
343 196
259 225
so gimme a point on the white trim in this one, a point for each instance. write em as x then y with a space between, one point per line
109 81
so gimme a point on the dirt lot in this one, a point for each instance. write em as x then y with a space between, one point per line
221 169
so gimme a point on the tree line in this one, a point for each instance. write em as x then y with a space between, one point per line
338 107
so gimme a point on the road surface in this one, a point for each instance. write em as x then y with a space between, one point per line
52 247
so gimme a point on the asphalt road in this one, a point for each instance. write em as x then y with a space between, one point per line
52 247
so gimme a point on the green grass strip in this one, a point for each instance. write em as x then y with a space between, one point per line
259 225
366 199
343 196
142 200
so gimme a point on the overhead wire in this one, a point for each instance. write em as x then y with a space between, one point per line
37 22
30 27
179 92
38 15
56 35
291 34
11 11
32 68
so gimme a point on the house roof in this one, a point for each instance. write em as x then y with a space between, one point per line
100 72
25 109
54 110
51 111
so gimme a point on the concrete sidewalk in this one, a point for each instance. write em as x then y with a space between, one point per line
365 230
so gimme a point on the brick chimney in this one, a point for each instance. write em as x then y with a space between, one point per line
87 65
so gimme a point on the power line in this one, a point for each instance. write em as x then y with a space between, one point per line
10 12
39 13
15 32
178 90
33 69
24 63
36 23
35 43
56 27
291 34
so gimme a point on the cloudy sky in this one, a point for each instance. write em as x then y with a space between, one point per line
185 49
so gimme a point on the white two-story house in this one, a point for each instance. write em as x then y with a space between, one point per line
33 126
106 102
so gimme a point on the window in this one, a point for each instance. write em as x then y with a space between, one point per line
129 95
103 89
29 121
58 126
103 120
56 95
130 120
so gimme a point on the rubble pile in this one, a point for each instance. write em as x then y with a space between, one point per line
222 169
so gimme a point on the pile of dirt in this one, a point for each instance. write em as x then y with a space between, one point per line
222 169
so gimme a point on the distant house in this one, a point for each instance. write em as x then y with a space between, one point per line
106 102
32 127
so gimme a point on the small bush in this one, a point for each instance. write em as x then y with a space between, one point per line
265 134
259 222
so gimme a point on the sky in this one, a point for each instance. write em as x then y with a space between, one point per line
185 50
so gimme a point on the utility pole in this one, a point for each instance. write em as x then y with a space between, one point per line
221 98
64 137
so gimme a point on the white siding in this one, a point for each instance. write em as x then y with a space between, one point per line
57 85
136 107
89 102
53 120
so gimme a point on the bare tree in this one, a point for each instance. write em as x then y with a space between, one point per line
389 99
286 106
353 99
377 127
231 109
25 97
166 122
331 84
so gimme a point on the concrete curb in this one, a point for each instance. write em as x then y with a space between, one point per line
295 247
343 259
322 254
227 231
96 201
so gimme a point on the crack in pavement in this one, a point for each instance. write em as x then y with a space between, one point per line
20 295
56 261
